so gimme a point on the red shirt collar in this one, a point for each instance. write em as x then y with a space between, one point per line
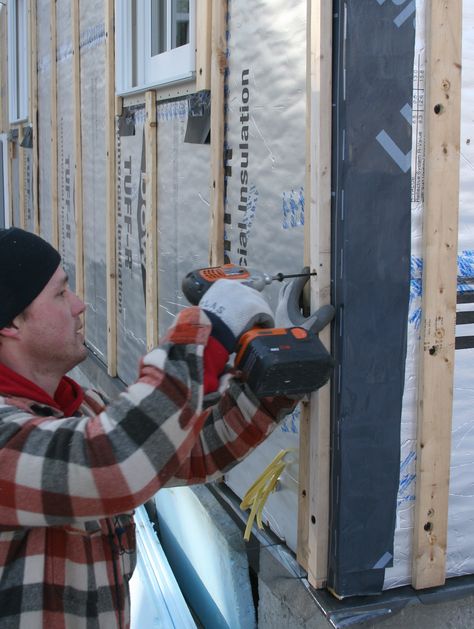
67 398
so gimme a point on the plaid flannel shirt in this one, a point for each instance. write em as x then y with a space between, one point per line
68 485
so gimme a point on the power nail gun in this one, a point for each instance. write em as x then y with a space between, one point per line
275 361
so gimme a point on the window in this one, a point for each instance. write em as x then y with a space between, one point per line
17 60
155 43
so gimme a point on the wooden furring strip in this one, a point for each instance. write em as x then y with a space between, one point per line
78 189
54 127
440 239
218 68
151 221
313 512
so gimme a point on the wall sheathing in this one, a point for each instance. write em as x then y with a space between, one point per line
43 34
65 131
264 208
183 207
460 555
92 51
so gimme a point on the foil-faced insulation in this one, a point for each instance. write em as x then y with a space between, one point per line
94 164
265 205
183 207
130 239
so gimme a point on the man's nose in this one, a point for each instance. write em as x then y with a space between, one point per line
78 306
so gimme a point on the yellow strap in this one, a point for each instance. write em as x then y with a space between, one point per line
257 494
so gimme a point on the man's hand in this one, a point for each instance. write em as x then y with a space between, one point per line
288 312
239 307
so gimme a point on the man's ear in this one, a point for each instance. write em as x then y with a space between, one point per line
10 331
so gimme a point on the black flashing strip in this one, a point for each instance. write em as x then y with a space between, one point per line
465 297
464 342
464 317
373 81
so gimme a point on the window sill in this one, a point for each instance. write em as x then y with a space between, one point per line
178 83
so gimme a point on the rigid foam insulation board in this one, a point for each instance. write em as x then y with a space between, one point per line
183 207
130 242
93 94
183 176
460 550
264 206
44 117
66 152
373 66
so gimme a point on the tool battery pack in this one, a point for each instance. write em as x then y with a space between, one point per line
283 361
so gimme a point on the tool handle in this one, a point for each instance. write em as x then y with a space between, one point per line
323 316
197 282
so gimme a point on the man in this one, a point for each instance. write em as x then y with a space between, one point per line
72 470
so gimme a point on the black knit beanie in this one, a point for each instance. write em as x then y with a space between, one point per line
27 263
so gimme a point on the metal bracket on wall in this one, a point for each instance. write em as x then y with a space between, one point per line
27 142
198 130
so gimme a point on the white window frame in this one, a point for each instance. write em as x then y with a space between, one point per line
175 65
18 60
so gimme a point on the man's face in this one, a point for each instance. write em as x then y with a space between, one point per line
52 326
